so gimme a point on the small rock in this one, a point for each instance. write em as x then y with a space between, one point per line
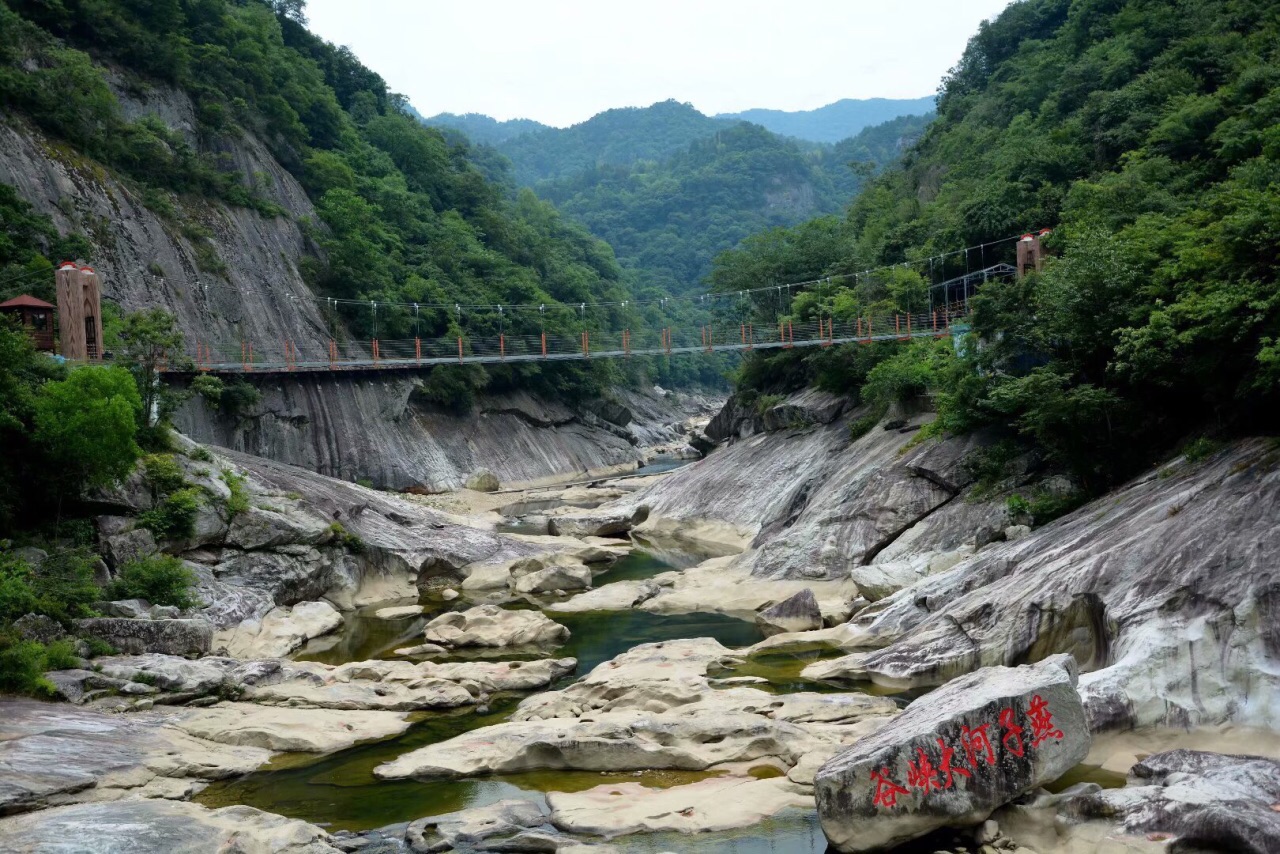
448 594
483 480
987 833
1016 532
799 613
38 627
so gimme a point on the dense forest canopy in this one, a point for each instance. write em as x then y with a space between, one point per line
668 219
1147 134
408 215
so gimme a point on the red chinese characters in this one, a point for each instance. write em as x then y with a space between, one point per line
1012 738
887 791
1041 718
921 775
924 776
977 745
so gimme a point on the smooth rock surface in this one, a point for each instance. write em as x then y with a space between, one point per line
287 729
954 756
491 626
718 803
800 613
280 632
150 826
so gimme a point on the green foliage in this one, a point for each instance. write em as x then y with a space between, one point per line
238 500
351 542
200 454
1145 134
159 579
908 374
150 342
97 647
22 666
1017 505
174 517
1200 448
162 474
233 399
62 587
86 425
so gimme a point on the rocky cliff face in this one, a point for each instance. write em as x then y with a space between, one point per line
376 428
1165 591
249 285
230 274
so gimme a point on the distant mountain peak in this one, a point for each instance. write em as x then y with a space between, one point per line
836 121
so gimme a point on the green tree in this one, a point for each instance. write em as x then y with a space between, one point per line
86 426
150 342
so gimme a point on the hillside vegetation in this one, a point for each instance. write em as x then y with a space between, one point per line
405 215
1147 134
668 219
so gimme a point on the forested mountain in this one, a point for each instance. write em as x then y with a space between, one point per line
834 122
1147 134
484 129
615 137
405 214
668 219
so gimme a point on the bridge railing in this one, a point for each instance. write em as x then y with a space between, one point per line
320 355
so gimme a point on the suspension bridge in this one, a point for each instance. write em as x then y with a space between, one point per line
408 354
946 315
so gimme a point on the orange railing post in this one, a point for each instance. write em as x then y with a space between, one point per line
333 354
459 349
375 352
544 345
417 350
502 346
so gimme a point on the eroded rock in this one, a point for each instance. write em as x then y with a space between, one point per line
799 613
489 625
171 637
954 756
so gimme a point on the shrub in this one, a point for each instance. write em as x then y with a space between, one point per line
1018 506
22 667
162 474
1200 449
200 454
351 542
239 397
97 647
210 388
860 427
159 579
174 517
62 587
61 655
238 501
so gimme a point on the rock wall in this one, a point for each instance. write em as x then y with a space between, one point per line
376 428
1166 591
348 427
816 503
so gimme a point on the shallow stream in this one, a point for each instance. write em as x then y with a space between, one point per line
339 791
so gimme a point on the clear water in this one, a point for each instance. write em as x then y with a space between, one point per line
339 791
660 465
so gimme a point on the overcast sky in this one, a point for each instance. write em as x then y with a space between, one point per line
563 61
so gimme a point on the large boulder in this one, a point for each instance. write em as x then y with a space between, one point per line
489 625
134 637
564 577
596 523
799 613
954 756
280 632
483 480
128 546
259 528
